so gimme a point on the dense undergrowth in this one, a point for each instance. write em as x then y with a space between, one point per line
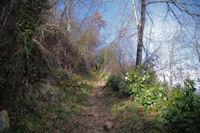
54 104
31 47
177 110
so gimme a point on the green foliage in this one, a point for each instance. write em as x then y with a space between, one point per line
54 111
98 66
18 54
138 80
88 76
100 60
20 62
179 110
114 82
26 25
28 21
132 118
183 111
141 84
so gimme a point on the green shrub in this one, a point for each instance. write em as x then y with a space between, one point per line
138 79
178 110
98 66
114 82
183 111
99 62
141 84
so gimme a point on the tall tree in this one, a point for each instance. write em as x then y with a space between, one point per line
140 28
174 6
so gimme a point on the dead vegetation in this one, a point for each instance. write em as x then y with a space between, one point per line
56 48
33 43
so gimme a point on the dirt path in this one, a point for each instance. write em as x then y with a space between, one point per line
96 113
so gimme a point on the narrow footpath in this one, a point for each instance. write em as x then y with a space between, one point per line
97 118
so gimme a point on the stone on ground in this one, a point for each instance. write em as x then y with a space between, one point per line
109 125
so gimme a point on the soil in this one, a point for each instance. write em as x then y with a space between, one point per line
96 112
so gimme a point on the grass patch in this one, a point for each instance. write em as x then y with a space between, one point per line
129 116
102 75
56 110
133 118
88 76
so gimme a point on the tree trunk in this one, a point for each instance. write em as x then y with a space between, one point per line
140 33
67 13
198 53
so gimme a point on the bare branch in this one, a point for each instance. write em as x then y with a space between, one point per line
173 13
186 11
149 16
161 1
178 5
135 12
173 1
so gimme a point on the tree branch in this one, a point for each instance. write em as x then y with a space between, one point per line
186 11
161 1
135 12
176 3
173 13
149 16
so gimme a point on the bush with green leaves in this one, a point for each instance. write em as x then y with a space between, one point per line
115 82
178 109
142 85
183 109
138 79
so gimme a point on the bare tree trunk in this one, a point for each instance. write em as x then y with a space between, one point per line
66 11
196 39
198 56
140 33
197 50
